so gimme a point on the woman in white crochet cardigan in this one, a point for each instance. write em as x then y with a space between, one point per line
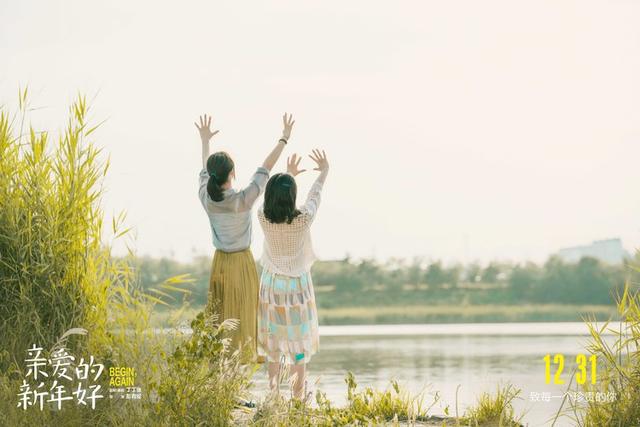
287 314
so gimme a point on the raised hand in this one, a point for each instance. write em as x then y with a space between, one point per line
321 160
292 165
205 128
288 125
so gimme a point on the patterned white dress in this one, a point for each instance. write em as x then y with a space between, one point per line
287 313
287 318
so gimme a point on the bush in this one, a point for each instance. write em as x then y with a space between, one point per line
54 269
57 274
366 407
202 382
494 410
615 398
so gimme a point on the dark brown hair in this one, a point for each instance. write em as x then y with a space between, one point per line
219 166
280 199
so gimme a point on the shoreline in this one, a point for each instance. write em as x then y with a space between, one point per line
429 315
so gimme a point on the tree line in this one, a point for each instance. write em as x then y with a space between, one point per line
369 282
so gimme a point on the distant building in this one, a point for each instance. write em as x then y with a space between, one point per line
608 250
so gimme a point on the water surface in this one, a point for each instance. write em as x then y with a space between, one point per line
430 358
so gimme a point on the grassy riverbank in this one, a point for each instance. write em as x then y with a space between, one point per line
431 314
462 314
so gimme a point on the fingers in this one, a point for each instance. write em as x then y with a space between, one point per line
315 156
320 157
293 162
205 121
287 120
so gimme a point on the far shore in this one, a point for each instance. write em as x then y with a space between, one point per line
434 314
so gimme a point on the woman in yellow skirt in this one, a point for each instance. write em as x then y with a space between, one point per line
233 286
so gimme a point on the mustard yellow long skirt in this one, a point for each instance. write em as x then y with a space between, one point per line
233 294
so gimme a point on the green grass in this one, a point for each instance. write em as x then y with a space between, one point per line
431 314
364 407
461 313
52 268
393 406
618 372
57 274
494 409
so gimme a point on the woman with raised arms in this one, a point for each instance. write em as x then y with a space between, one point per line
233 285
287 315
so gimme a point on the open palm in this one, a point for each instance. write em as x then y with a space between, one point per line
293 164
205 128
287 123
321 160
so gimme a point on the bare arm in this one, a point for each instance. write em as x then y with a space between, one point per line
274 155
205 136
205 154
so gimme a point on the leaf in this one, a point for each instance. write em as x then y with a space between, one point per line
154 299
74 331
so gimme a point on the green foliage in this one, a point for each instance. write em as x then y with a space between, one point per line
618 371
366 407
371 285
394 403
494 410
522 280
435 275
201 383
588 281
57 274
54 272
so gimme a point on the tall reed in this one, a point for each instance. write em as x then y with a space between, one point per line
57 275
52 269
615 398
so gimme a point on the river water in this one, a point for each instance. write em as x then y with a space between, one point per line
469 357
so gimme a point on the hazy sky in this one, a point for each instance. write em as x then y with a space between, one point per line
458 130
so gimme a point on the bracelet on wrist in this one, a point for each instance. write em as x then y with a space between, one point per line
283 140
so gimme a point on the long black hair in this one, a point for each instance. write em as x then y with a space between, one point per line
219 166
280 199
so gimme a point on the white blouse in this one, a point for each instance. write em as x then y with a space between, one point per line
287 247
230 219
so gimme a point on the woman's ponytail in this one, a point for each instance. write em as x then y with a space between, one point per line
219 166
214 190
